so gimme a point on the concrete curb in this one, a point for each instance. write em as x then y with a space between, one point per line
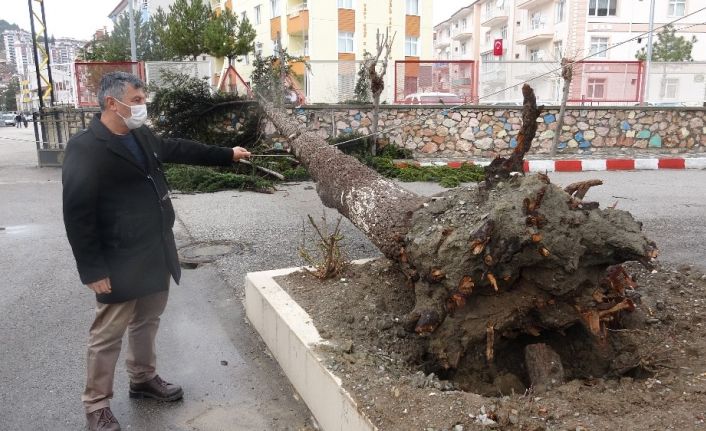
579 165
290 335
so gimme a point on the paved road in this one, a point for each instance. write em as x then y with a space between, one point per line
45 312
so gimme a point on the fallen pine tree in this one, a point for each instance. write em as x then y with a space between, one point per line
516 260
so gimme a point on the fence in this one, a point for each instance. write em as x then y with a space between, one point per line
155 71
88 76
424 77
593 83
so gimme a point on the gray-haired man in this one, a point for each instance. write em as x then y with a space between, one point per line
119 219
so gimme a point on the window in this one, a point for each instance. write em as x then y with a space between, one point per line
599 47
412 7
463 23
670 88
411 46
463 48
258 16
534 55
596 88
536 21
560 8
602 7
243 16
258 49
345 4
558 50
487 37
677 7
306 45
503 32
489 9
274 4
345 42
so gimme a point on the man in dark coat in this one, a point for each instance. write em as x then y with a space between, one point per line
119 219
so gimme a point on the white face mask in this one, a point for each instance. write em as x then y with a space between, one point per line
138 115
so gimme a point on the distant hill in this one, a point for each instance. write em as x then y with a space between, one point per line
4 25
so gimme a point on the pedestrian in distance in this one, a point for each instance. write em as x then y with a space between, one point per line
18 120
24 120
119 218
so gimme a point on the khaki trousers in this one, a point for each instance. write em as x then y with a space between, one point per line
141 318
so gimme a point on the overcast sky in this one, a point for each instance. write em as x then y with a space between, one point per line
444 8
81 18
65 18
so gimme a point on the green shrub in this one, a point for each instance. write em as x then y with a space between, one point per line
207 180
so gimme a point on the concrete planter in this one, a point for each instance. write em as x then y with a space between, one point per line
291 336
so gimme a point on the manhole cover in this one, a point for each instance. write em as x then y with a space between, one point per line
206 252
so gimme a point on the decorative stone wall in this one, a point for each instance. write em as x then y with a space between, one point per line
436 132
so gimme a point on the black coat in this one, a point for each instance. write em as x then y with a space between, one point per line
118 215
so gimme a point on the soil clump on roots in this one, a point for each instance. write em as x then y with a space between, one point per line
656 380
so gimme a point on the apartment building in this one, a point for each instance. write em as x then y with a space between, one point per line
333 37
456 38
535 34
144 7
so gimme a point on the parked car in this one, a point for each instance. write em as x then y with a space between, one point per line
8 119
433 98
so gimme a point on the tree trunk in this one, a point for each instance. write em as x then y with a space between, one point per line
489 264
378 207
567 75
374 126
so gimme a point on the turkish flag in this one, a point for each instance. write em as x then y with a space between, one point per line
498 47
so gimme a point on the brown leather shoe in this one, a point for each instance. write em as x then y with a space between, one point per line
157 389
102 420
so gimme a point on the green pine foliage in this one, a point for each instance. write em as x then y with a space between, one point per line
186 27
669 47
227 37
207 180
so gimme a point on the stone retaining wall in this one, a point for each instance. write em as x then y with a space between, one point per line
436 132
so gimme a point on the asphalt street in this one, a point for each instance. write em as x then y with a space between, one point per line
45 312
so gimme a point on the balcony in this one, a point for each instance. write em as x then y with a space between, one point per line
462 33
442 43
298 19
538 32
531 4
495 17
495 74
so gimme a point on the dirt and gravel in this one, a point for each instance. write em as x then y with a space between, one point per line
657 382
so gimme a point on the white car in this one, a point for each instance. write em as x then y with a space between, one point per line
433 98
8 119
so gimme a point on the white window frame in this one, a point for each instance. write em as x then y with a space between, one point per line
503 32
346 4
258 14
599 44
534 54
673 8
596 6
592 85
346 42
276 9
464 23
670 85
558 50
412 7
411 46
463 49
306 45
537 20
560 11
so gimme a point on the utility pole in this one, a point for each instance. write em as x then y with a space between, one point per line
133 48
648 62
